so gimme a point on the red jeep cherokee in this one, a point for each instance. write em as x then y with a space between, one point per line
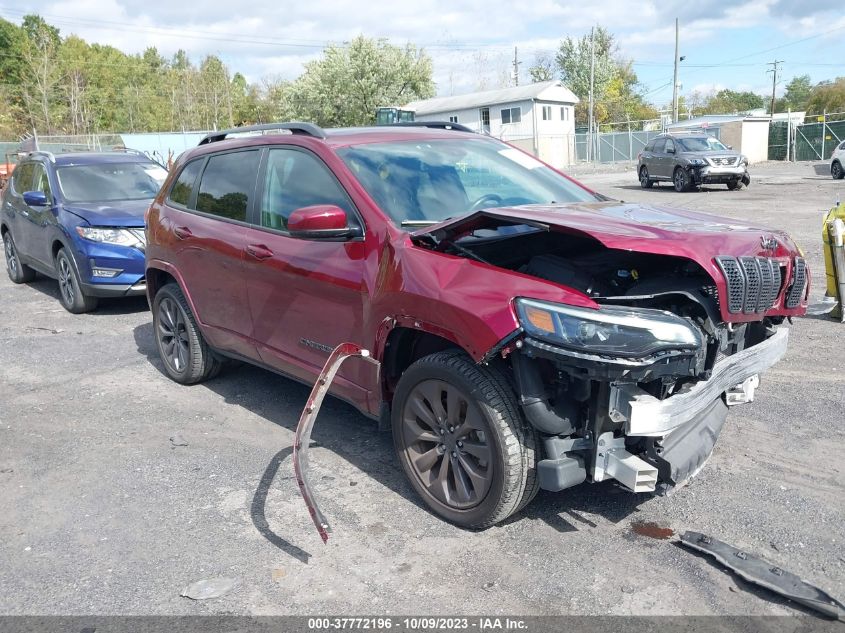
531 333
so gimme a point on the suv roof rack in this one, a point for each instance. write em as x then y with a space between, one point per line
437 125
295 127
39 152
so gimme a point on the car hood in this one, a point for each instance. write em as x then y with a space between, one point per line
636 227
723 153
129 213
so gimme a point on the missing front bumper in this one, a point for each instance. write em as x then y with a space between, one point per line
646 416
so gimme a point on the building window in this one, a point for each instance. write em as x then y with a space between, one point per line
547 113
511 115
564 114
453 119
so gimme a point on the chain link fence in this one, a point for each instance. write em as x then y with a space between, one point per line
813 139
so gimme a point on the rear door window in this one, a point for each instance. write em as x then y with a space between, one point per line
22 178
227 185
659 144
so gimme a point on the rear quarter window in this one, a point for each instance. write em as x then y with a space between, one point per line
183 188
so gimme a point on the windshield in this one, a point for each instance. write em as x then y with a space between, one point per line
105 182
424 182
700 144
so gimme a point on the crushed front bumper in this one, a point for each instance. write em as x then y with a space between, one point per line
646 416
710 174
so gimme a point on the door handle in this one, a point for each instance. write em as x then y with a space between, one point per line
259 251
182 232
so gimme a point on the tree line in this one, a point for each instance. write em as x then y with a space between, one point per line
64 85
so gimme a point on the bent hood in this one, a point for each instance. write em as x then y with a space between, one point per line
128 213
636 227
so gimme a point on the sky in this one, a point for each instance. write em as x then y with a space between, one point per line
725 44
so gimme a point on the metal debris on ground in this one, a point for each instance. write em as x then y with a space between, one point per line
766 574
302 438
209 588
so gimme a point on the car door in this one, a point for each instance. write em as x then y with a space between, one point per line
306 295
667 166
204 225
41 220
16 210
655 161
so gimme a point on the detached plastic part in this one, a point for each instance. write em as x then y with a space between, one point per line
762 572
302 438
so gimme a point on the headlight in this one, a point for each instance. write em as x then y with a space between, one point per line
123 237
743 160
697 162
610 330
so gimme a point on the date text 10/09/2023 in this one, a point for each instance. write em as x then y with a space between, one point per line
425 623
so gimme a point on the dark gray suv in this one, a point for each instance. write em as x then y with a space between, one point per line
689 160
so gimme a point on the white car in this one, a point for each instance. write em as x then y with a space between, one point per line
837 162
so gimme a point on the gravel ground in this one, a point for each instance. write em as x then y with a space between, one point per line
102 514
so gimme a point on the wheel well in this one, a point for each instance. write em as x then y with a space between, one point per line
56 247
3 230
405 346
156 280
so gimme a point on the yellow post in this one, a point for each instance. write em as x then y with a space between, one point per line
830 275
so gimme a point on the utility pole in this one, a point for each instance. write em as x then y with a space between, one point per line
774 72
516 64
592 77
675 80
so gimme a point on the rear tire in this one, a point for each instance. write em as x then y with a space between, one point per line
836 171
734 185
186 357
18 272
70 289
645 181
462 440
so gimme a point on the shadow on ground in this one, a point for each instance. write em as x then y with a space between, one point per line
355 438
105 307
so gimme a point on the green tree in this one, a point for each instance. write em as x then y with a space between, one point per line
346 85
574 61
797 93
731 102
827 96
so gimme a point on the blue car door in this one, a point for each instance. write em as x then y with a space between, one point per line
16 210
41 220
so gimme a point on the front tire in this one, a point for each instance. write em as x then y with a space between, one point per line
186 357
462 440
836 171
734 184
70 289
18 272
681 180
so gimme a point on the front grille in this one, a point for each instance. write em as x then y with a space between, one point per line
726 160
799 283
753 283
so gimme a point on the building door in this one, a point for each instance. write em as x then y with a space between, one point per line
484 116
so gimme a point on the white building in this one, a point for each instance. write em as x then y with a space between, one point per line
538 118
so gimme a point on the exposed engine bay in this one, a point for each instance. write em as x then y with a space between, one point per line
645 416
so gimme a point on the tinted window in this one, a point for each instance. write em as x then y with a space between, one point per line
670 145
110 181
659 144
296 179
701 144
185 183
649 147
227 184
22 179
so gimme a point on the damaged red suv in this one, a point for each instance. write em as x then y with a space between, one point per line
531 333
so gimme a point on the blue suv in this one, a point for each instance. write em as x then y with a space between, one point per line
79 218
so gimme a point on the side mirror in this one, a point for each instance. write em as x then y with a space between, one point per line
35 198
670 150
320 221
729 146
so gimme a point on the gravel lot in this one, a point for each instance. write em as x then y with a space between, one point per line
102 514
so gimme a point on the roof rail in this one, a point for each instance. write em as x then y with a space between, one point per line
438 125
295 127
48 155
